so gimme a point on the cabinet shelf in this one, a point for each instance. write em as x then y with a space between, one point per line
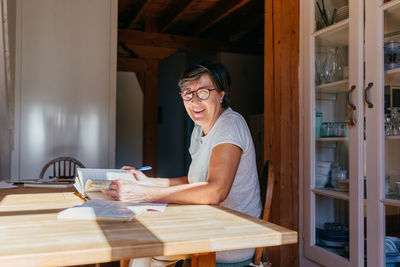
392 138
392 72
392 76
391 5
391 202
335 87
332 139
331 193
336 34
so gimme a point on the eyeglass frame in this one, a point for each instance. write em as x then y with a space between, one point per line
195 91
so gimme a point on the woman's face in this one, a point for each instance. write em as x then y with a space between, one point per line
204 112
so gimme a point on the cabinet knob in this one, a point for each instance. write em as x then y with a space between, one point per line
351 105
350 121
366 95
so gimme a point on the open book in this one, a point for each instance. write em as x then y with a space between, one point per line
89 181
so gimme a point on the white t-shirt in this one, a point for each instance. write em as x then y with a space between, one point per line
244 195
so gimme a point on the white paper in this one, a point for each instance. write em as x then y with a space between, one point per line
5 185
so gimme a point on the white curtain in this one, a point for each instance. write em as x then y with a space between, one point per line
6 96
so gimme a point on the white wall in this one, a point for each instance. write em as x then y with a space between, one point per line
65 83
129 132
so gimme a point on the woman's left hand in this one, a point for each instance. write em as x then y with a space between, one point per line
137 174
124 190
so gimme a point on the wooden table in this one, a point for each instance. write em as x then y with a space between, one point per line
31 234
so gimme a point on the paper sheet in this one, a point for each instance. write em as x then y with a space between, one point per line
5 185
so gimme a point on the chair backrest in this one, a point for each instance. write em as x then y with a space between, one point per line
267 181
63 167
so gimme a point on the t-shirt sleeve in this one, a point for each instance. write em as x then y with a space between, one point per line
232 130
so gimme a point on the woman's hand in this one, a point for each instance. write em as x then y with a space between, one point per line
125 190
137 174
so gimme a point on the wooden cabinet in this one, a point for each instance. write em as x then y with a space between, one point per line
382 75
350 173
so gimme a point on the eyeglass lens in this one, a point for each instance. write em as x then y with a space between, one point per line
203 94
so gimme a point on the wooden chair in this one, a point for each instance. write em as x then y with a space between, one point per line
63 167
267 181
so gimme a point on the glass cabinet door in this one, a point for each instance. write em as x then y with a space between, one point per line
383 131
334 108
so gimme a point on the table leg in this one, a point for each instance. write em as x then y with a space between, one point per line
124 263
203 259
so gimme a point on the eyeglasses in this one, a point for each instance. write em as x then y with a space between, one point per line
202 93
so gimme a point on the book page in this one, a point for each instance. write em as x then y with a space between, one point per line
85 174
90 180
102 174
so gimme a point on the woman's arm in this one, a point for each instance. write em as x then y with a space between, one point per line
163 182
223 165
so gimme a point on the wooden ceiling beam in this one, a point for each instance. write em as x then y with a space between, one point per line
174 14
151 52
152 39
220 11
132 64
140 13
246 26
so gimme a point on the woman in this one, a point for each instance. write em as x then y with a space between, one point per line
223 168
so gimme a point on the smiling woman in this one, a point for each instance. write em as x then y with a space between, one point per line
223 169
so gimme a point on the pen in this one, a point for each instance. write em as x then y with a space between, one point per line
144 168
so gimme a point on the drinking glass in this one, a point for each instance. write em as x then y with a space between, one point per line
391 54
394 121
333 67
388 126
320 58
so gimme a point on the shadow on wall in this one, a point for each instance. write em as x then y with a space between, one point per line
129 123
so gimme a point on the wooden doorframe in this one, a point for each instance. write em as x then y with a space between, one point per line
281 120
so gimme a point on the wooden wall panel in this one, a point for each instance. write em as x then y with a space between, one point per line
281 110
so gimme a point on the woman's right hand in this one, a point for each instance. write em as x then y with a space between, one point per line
140 176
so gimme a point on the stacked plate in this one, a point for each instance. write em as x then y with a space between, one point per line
392 249
322 173
342 13
329 236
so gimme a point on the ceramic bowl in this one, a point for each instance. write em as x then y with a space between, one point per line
323 171
324 164
342 185
342 13
321 181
